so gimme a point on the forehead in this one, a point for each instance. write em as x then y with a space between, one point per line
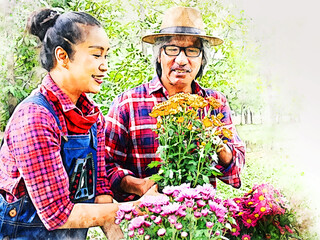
95 36
185 41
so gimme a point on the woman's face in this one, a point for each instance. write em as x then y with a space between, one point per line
89 63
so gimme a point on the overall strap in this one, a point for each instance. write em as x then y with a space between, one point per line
41 100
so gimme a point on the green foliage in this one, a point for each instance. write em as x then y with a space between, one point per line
130 61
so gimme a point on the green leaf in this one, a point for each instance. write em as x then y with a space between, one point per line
154 164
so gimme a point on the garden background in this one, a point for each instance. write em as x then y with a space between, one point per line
267 68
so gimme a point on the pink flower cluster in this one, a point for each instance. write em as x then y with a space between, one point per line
181 210
262 204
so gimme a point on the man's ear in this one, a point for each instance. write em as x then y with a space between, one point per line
61 57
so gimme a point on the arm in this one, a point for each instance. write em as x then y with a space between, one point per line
124 183
232 154
138 186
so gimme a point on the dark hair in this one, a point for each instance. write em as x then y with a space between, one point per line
161 41
54 29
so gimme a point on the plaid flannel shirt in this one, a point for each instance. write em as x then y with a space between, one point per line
30 159
132 143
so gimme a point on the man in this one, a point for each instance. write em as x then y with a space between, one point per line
181 53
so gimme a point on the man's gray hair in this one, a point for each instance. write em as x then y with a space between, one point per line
161 41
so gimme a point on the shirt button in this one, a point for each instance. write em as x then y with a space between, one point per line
13 212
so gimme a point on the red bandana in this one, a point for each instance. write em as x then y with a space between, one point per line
77 122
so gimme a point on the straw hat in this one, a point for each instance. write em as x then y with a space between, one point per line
185 21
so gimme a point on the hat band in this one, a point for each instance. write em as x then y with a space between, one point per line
185 30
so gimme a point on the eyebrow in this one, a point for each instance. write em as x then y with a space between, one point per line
99 47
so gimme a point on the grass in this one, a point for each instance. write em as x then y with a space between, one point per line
275 154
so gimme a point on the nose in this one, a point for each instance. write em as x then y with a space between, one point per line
181 59
104 66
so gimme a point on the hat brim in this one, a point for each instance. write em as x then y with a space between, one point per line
214 41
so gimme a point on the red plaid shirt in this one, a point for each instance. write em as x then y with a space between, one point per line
30 159
132 144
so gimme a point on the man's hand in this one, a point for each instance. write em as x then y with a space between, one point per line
224 155
103 199
152 191
138 186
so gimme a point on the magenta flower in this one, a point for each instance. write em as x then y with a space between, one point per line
147 223
161 232
245 237
184 234
137 222
201 203
170 208
197 214
205 212
178 226
232 205
188 193
126 207
171 191
209 224
141 231
182 211
189 203
207 191
131 234
219 209
120 214
157 200
158 220
117 221
172 219
153 217
128 216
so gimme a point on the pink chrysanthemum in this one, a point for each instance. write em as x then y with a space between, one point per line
137 222
126 207
245 237
161 232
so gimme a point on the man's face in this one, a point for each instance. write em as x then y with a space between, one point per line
179 71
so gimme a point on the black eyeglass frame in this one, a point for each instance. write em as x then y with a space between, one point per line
181 48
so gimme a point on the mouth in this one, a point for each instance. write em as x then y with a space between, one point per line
98 78
181 71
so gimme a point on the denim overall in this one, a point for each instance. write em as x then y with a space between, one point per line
19 220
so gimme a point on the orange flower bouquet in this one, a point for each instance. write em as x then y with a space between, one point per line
189 134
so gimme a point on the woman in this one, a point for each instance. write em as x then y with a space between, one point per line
52 159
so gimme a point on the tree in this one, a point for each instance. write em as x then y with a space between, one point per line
130 60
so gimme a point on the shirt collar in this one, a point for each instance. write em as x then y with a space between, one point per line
57 95
156 85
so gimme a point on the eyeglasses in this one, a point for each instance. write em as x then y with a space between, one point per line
172 50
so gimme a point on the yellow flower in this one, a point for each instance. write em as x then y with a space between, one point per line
158 125
190 127
216 121
207 122
215 103
220 116
180 119
227 133
154 113
217 132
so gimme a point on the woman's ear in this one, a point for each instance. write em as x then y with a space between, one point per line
61 57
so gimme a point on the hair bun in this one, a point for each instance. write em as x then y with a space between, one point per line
39 22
